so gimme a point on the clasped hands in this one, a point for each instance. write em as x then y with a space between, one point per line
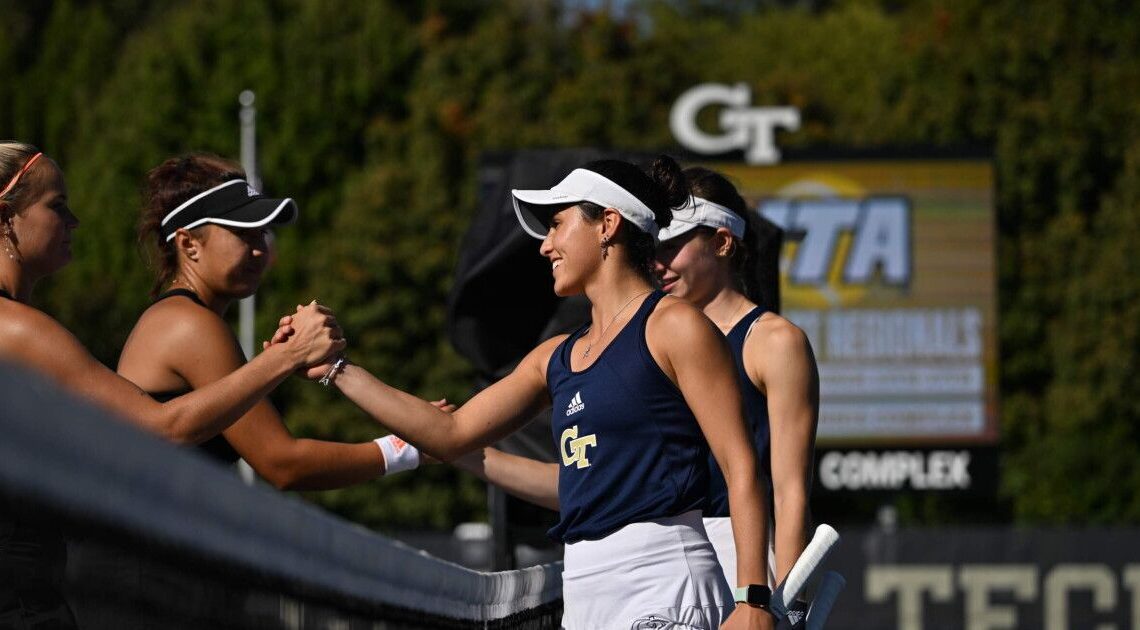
318 337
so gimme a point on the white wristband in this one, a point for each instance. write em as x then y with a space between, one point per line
398 455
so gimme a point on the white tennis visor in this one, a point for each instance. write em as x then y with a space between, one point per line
535 207
698 212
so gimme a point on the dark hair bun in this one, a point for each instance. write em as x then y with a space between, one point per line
668 175
663 189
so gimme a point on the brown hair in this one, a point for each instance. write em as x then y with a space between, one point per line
711 185
13 157
168 185
662 189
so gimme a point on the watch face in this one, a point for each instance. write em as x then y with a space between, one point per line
753 594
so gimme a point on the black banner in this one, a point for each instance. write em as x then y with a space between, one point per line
988 579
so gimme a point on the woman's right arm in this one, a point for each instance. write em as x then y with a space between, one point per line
528 479
492 414
38 341
778 355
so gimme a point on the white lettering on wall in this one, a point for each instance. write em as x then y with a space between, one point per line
742 127
912 586
893 470
980 581
909 585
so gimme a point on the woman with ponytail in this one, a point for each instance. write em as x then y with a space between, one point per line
210 249
704 258
640 394
207 232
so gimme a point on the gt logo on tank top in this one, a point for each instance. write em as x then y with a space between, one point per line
631 449
576 454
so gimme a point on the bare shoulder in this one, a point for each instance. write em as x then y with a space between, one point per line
777 347
15 317
176 320
676 316
538 359
31 337
178 343
679 335
776 334
21 325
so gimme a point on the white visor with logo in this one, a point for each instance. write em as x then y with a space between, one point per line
698 212
535 207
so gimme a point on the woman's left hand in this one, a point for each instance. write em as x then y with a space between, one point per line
281 335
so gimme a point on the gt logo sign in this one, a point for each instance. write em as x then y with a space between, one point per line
879 229
576 454
748 128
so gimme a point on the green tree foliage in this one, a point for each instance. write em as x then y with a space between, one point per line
374 115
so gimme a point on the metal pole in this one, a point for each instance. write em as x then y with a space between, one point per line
248 117
247 306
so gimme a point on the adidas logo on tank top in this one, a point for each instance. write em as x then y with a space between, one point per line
576 404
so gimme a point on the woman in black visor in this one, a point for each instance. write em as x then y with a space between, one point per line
209 230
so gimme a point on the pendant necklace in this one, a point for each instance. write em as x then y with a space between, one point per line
586 354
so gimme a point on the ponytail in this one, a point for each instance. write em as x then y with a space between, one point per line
167 186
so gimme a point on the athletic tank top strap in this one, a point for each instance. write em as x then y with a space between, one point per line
755 417
740 330
180 292
630 449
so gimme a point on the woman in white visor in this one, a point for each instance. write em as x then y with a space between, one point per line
704 257
639 395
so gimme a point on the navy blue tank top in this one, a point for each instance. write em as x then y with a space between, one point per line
631 450
755 416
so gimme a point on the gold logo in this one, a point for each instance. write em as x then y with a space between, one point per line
577 452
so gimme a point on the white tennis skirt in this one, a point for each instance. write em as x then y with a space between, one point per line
719 530
656 575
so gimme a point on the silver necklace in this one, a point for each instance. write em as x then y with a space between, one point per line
586 354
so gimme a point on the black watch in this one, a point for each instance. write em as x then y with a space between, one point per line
758 595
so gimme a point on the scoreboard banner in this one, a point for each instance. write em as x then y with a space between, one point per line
889 267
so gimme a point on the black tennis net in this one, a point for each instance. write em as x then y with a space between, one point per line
105 526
